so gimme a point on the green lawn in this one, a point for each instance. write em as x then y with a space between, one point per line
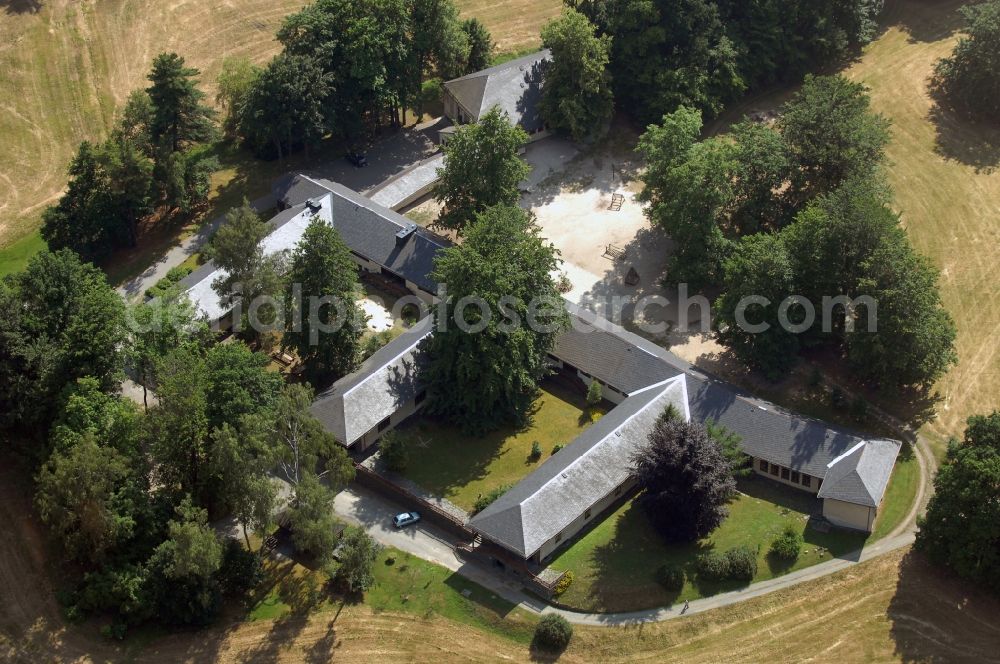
615 562
15 257
406 584
900 493
453 465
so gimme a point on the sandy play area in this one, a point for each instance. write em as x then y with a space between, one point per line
574 209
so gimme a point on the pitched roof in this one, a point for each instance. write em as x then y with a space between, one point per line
861 474
356 403
611 353
370 229
287 228
515 86
571 481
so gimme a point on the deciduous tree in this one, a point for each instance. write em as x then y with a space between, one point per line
961 529
483 370
576 98
324 322
481 169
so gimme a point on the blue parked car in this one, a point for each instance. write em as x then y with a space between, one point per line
405 519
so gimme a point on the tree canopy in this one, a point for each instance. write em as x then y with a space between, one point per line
968 80
685 479
63 322
576 98
961 528
324 322
705 53
486 375
482 168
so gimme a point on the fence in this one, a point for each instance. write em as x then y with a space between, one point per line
430 512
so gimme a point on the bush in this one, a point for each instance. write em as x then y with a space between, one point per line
553 632
556 447
173 276
787 545
712 566
410 314
563 584
370 345
486 499
241 570
594 393
671 577
741 563
394 452
736 564
536 451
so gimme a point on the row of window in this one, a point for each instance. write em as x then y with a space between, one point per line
786 474
588 512
417 400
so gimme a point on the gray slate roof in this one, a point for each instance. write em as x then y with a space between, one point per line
369 229
610 353
382 384
861 474
514 86
571 481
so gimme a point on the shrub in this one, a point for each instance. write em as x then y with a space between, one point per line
174 275
563 584
370 345
736 564
594 393
556 447
712 566
410 314
394 452
536 451
486 499
787 545
741 563
671 577
553 632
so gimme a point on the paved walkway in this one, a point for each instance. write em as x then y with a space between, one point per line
374 512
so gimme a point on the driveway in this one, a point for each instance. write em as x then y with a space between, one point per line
390 154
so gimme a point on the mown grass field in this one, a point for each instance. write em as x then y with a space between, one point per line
66 65
946 175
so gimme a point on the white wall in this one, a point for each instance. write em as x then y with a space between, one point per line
582 520
849 515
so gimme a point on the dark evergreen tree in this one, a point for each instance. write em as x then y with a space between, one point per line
685 480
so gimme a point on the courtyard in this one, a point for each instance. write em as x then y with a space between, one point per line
453 465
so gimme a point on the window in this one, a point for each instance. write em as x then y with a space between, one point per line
420 397
586 515
383 425
806 480
763 465
618 490
774 469
784 473
795 477
559 537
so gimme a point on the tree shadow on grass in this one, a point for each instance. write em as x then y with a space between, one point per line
923 20
938 618
963 139
21 6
